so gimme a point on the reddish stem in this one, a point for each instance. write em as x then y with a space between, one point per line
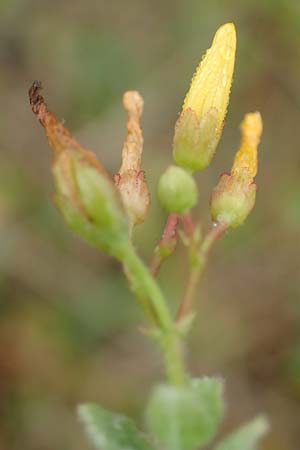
188 224
170 228
168 239
187 302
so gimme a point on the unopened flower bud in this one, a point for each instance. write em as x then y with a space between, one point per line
234 197
87 197
130 181
232 200
199 127
85 194
245 161
177 190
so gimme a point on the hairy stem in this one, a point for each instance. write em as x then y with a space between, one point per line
196 271
147 290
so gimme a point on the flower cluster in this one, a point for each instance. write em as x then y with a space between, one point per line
185 413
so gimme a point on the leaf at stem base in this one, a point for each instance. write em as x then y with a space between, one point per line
186 417
110 431
246 437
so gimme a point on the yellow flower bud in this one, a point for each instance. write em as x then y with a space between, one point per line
205 104
234 197
211 83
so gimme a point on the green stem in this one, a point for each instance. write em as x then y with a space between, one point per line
197 269
172 349
154 304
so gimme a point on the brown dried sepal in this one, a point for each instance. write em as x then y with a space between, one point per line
59 137
134 192
70 160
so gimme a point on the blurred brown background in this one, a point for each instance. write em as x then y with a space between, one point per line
69 328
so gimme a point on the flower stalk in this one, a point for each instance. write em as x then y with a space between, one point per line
167 244
199 261
145 287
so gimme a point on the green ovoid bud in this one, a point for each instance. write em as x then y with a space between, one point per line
177 190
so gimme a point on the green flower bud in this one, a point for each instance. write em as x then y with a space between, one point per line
86 196
234 197
232 200
90 202
195 142
177 190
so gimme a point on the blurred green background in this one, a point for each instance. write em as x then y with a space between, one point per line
69 328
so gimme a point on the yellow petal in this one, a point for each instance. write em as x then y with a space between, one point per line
210 86
245 161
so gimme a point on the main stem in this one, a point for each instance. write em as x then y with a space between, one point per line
196 271
151 297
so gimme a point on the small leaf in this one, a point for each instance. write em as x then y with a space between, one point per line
109 431
186 417
245 437
184 325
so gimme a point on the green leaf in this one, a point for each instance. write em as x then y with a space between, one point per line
246 437
109 431
184 325
186 417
